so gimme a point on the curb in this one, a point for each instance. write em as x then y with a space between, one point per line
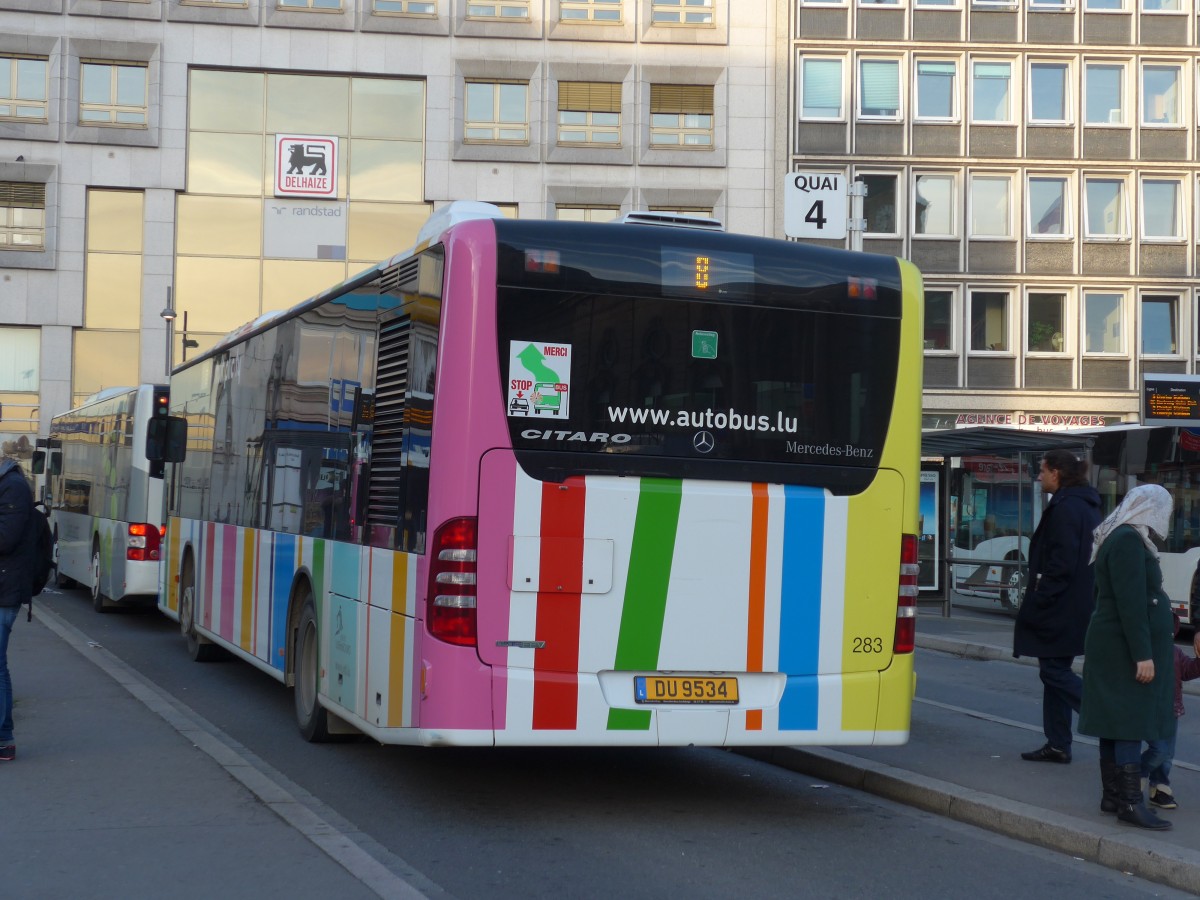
1112 847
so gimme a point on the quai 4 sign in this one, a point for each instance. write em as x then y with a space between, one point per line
814 205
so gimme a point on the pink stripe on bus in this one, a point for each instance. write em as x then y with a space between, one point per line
468 422
208 551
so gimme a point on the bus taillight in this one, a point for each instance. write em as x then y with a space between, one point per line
143 543
906 601
452 583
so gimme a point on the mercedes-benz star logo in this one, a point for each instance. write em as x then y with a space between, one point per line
703 441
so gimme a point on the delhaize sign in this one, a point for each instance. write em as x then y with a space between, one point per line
306 165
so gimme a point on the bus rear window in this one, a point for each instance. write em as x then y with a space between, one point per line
669 378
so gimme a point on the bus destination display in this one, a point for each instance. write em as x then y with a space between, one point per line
699 274
1171 400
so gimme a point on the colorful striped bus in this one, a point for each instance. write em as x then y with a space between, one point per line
556 483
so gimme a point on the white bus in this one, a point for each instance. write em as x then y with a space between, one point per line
105 497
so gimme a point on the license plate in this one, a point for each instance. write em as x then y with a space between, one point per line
684 689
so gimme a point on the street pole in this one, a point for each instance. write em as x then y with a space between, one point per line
857 224
168 315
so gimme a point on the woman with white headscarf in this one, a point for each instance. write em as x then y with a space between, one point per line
1128 675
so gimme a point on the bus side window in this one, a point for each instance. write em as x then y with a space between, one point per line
166 439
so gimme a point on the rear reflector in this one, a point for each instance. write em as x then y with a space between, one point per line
906 599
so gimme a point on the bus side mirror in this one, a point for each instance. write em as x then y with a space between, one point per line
38 463
166 439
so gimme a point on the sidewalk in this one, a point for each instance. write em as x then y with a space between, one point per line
116 792
969 769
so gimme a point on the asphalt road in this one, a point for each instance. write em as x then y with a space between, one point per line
605 823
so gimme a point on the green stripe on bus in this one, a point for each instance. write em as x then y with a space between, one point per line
645 606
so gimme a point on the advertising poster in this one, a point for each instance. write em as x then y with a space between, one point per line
927 554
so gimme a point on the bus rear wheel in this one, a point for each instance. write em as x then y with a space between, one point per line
311 717
99 601
200 649
1014 588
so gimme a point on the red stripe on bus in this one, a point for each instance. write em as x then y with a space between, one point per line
758 592
560 573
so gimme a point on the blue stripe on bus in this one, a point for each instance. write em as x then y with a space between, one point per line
800 605
283 567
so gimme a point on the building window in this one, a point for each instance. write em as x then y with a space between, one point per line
821 88
990 208
589 113
939 319
23 88
497 112
936 90
1104 94
1103 323
406 7
681 12
879 88
933 208
316 5
1162 208
880 204
509 9
1160 319
1161 6
1049 207
20 353
681 115
607 12
1105 5
1048 92
1051 5
22 216
587 213
943 3
113 93
1160 94
990 83
989 321
1104 208
1044 323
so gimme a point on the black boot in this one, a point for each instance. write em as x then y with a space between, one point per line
1132 806
1111 794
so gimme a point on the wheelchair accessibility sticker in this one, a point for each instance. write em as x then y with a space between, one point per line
539 379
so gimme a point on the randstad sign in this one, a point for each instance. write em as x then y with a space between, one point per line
306 165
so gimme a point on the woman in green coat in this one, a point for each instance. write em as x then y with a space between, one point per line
1128 669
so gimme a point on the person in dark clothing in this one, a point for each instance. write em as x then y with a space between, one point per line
17 551
1053 617
1128 669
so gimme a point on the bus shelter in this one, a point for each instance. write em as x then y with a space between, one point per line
980 503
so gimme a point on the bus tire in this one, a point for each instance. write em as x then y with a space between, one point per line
99 601
311 716
1014 591
199 648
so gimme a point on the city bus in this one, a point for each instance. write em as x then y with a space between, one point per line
1126 456
105 496
559 483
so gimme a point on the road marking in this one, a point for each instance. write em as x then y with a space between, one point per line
1013 723
256 778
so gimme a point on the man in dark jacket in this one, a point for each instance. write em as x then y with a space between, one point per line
1053 618
17 550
